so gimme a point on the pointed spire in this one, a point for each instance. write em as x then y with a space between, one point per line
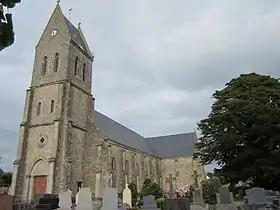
58 1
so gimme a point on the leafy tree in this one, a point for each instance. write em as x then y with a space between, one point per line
242 132
7 35
6 179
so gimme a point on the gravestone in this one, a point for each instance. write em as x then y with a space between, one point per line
231 197
127 195
271 197
256 198
255 195
110 199
48 202
84 199
177 204
37 198
197 197
225 200
149 203
224 195
65 200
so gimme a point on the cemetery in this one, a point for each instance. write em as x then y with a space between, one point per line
255 198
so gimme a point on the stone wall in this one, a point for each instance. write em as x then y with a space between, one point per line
181 168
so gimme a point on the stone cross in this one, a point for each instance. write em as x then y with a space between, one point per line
171 190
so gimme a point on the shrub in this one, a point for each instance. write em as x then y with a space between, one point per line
160 203
134 193
150 188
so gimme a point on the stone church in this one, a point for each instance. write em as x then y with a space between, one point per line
65 143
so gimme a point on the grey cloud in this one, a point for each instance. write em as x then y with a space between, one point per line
156 62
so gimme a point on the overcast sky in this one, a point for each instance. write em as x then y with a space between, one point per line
157 62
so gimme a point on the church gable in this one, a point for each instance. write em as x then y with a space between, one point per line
56 27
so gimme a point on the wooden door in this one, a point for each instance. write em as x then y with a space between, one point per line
40 184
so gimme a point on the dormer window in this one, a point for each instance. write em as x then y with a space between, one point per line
76 65
56 62
44 65
84 71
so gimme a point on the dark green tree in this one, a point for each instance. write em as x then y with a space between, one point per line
6 179
242 132
7 35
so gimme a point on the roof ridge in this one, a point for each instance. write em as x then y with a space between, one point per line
169 135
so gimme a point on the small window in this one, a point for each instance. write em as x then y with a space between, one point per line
56 62
39 108
84 71
44 65
76 65
52 106
113 165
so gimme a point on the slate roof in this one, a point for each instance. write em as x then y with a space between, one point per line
75 35
171 146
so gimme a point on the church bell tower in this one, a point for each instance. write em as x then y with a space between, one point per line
57 110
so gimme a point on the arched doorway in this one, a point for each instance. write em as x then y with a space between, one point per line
38 178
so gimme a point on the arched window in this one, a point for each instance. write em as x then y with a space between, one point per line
44 65
39 108
84 71
76 65
52 106
56 62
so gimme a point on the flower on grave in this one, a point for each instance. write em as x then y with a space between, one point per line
182 191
